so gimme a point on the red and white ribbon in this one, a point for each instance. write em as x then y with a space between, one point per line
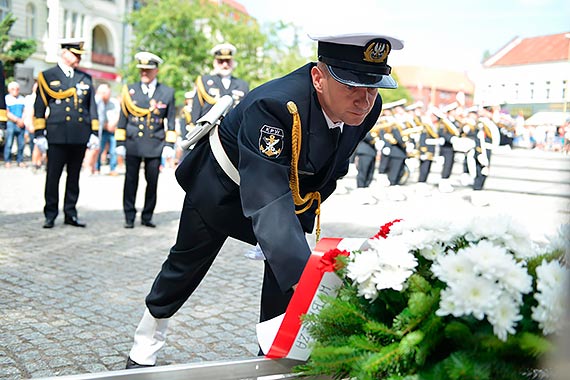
285 336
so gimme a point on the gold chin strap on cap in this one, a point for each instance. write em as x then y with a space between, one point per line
309 198
203 94
44 87
129 107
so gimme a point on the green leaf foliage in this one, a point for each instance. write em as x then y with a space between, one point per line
13 51
182 32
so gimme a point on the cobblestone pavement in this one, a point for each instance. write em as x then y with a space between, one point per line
70 298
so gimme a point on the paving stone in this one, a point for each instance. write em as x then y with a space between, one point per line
72 298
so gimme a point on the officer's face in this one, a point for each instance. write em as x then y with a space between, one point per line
70 59
148 75
339 101
223 67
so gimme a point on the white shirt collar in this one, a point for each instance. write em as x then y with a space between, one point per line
66 69
331 124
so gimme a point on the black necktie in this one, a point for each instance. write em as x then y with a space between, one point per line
336 133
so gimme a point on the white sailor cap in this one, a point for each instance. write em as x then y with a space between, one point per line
450 107
390 105
147 60
189 94
223 51
437 112
74 45
358 59
416 105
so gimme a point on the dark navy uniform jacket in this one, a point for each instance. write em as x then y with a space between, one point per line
145 135
212 90
261 209
366 147
72 119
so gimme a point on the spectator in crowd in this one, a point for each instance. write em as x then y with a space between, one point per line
15 129
108 112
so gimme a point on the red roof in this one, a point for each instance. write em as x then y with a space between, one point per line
522 51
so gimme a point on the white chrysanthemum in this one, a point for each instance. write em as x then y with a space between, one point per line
433 251
367 289
387 264
452 267
487 258
560 241
504 317
516 280
477 293
450 304
362 265
550 275
551 280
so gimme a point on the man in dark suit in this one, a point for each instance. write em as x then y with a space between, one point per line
210 88
261 176
142 137
70 125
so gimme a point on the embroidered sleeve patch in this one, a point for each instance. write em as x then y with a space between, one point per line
270 141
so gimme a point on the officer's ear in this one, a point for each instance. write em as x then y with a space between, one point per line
318 77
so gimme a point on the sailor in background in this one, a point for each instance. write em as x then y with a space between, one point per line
210 88
65 119
448 130
146 106
260 177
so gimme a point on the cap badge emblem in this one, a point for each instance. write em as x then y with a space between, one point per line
376 52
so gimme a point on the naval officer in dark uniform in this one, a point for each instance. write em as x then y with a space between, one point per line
261 176
210 88
68 127
146 106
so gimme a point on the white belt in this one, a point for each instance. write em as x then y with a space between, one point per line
221 156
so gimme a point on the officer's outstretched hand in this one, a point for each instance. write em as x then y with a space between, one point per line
121 151
167 152
42 143
93 142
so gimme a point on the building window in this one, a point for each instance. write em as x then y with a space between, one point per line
531 88
5 7
30 18
564 85
547 89
516 90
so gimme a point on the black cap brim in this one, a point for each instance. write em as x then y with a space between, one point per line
359 79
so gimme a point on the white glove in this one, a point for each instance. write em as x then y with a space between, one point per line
93 142
42 143
121 151
483 160
167 152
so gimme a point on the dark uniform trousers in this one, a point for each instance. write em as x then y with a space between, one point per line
446 151
196 248
58 156
366 153
215 208
151 171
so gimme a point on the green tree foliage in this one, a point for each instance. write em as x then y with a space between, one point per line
391 95
182 32
15 51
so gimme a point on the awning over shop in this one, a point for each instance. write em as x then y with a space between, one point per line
548 118
102 75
